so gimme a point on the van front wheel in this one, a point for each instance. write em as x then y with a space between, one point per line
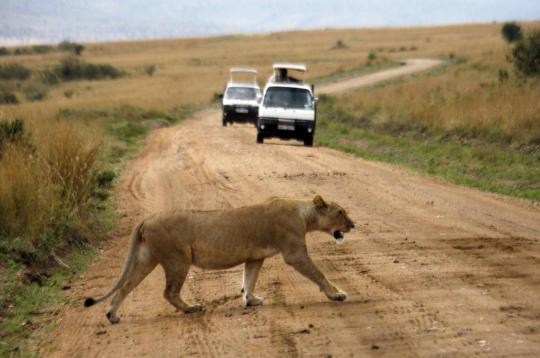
260 138
308 142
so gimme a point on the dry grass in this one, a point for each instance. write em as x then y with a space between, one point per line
45 189
190 71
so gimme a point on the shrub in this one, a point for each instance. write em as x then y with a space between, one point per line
526 54
372 56
42 48
4 51
7 97
74 47
71 68
11 132
339 45
22 51
150 69
511 32
34 92
11 71
105 179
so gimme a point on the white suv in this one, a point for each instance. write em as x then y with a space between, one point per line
288 106
241 98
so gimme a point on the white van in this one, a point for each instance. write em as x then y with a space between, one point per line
288 106
241 97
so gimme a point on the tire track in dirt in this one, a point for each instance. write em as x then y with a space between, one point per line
433 270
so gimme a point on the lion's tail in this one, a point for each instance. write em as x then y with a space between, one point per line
135 240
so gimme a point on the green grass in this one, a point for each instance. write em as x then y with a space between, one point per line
28 308
495 166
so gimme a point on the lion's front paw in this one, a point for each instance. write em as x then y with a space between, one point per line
253 301
194 308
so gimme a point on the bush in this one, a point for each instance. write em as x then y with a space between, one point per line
339 45
11 132
511 32
34 92
74 47
372 56
22 51
11 71
42 48
105 179
150 69
4 51
71 68
526 54
7 97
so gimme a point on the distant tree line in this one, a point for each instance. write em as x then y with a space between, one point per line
67 46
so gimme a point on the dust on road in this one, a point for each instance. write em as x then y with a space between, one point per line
432 270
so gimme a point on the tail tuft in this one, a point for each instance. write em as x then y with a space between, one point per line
89 302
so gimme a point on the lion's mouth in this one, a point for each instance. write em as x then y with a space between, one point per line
338 234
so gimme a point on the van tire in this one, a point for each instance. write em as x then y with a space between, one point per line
260 138
308 142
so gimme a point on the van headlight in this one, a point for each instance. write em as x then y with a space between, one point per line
262 126
309 130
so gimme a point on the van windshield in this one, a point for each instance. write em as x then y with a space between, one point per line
243 93
286 97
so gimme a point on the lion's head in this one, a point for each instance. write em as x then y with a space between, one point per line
332 218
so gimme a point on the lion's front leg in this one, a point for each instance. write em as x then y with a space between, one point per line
300 260
251 273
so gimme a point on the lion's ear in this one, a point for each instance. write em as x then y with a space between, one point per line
319 202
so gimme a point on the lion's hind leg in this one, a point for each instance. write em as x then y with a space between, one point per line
176 271
142 266
251 273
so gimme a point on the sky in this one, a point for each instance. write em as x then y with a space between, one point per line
38 21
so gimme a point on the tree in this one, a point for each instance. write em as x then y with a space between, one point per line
526 54
511 32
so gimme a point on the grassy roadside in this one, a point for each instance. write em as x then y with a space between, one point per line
30 292
487 161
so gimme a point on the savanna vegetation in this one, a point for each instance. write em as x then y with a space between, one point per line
68 121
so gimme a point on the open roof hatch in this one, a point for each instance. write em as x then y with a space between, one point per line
238 73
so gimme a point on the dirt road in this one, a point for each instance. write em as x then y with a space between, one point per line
432 270
410 67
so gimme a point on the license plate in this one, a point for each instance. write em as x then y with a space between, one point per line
285 127
241 110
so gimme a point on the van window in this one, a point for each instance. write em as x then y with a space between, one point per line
285 97
242 93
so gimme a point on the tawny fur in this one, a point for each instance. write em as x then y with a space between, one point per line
227 238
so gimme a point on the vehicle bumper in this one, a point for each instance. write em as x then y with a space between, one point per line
273 127
240 113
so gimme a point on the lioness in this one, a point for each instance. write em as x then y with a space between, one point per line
223 239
